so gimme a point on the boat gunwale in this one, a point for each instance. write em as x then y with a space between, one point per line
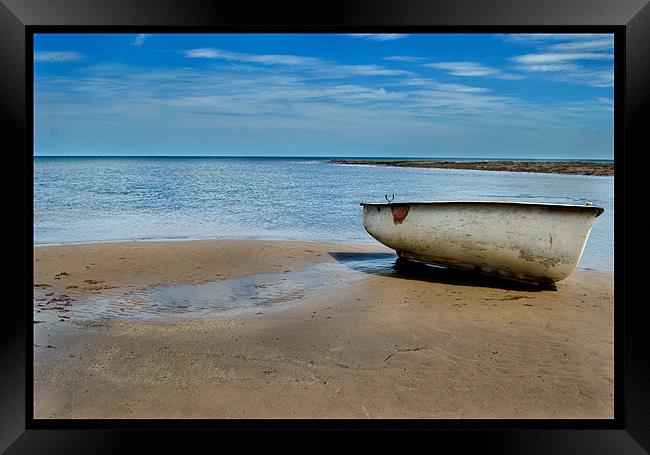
598 210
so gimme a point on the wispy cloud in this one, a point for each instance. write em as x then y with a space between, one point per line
140 39
546 38
470 69
431 84
404 58
57 56
378 36
548 67
316 66
463 68
603 77
574 58
595 44
265 59
367 70
560 57
270 94
220 100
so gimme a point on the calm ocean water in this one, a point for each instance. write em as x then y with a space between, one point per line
109 199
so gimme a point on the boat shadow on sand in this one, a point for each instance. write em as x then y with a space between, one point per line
388 264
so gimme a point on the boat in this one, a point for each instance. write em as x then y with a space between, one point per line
523 241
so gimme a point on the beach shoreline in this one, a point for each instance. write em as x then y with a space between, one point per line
547 167
368 344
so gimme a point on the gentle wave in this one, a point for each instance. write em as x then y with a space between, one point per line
80 200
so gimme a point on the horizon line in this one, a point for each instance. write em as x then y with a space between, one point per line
318 156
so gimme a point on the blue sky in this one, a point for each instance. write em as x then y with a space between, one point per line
410 95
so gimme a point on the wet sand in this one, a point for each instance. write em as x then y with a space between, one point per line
547 167
374 342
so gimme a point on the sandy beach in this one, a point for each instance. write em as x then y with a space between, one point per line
545 167
345 340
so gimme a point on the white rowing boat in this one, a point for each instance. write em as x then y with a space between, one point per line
533 242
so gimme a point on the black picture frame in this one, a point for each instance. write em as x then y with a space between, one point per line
629 432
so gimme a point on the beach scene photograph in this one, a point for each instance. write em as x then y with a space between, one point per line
323 226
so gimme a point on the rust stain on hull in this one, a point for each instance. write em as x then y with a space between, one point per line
399 213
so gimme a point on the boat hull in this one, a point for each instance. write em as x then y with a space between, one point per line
539 243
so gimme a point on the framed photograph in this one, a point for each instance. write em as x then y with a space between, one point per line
385 218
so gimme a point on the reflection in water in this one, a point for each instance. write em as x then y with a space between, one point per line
388 264
251 293
226 297
372 263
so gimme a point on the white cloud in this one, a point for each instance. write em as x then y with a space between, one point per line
432 84
404 58
560 57
288 88
600 44
546 67
140 39
269 59
204 52
378 36
463 68
316 66
234 96
573 73
233 107
57 56
564 57
595 78
461 88
367 70
266 92
545 38
470 69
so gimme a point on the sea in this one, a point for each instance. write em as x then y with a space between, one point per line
106 199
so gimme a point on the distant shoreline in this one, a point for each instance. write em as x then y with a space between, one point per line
547 167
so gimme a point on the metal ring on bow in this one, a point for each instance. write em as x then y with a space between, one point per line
392 197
